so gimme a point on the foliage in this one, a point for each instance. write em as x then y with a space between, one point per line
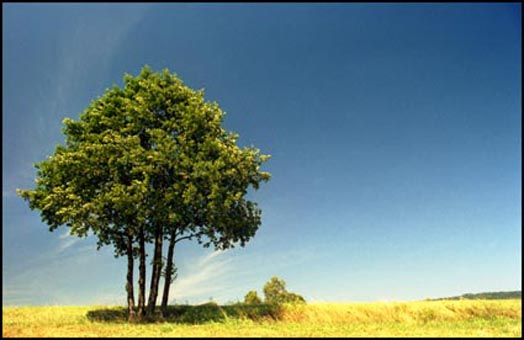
275 292
252 298
153 152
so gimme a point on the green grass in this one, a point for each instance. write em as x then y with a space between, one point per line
475 318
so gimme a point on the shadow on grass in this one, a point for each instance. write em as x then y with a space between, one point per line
188 314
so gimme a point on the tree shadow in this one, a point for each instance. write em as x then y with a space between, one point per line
108 314
187 314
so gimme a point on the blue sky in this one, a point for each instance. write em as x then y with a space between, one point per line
394 130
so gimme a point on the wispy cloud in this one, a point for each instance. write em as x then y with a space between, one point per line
67 242
89 49
37 281
208 270
86 51
205 260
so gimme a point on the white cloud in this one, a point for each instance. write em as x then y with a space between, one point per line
205 260
66 241
208 270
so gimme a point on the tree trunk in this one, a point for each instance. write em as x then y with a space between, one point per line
167 282
142 276
155 275
129 284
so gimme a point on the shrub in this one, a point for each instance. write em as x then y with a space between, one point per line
252 298
275 292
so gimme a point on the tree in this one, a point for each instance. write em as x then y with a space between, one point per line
146 163
275 292
252 298
274 289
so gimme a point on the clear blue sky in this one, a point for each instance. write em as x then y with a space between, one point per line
395 131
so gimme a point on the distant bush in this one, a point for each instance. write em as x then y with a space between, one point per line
252 298
275 292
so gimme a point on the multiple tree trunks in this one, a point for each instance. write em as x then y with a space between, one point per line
148 311
155 278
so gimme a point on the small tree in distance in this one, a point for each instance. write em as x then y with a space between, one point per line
275 292
252 298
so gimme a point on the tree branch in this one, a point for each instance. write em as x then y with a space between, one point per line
189 236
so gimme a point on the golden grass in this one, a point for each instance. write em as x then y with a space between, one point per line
467 318
419 311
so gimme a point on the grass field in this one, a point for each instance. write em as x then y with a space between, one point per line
466 318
